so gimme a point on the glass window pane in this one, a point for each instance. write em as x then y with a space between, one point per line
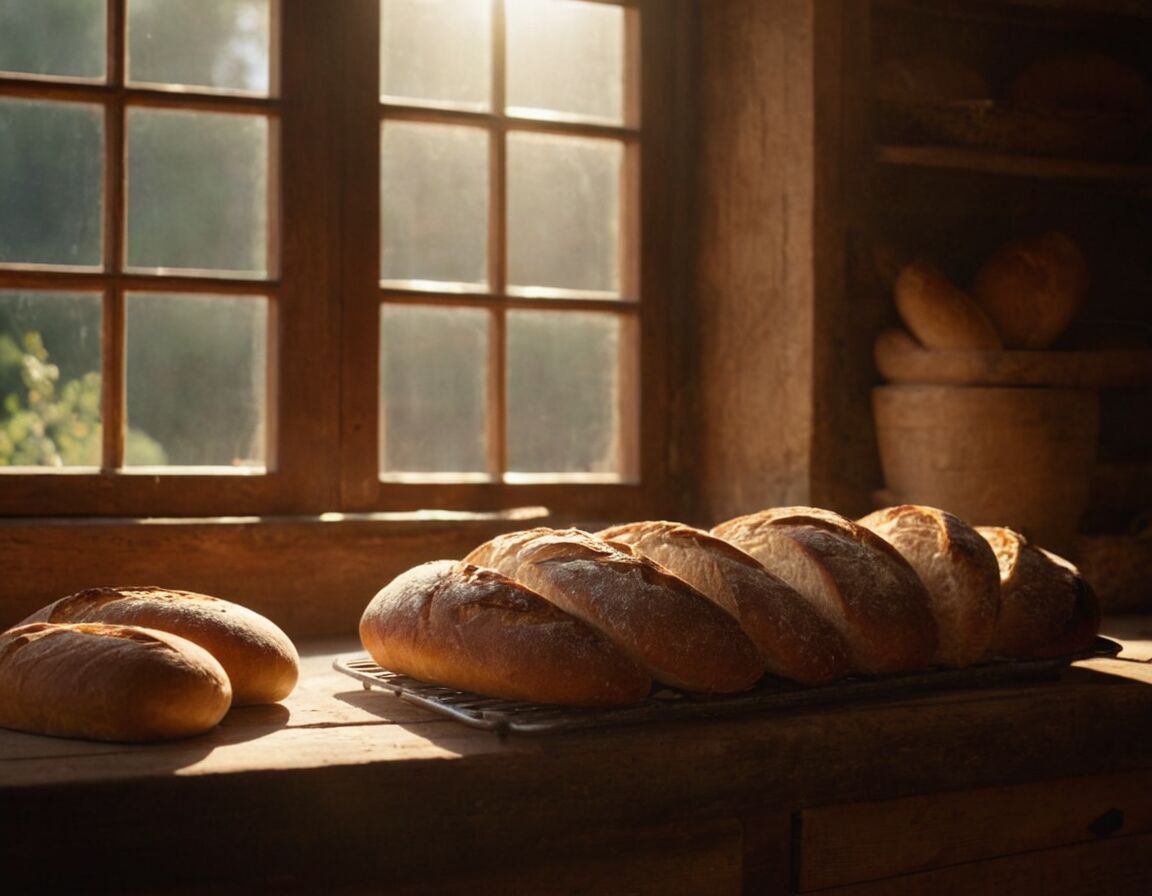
569 244
51 170
56 38
563 392
434 204
213 44
197 191
436 52
196 380
50 379
433 389
566 60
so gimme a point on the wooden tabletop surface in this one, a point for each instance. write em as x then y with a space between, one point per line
355 772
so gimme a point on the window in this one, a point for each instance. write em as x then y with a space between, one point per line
274 256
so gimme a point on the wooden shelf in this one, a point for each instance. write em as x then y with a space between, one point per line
984 162
1009 10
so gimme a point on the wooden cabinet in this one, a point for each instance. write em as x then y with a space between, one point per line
806 199
954 190
1091 835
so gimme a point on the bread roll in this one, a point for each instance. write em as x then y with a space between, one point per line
927 78
261 661
1032 289
794 640
852 577
939 314
680 637
959 569
466 627
1089 82
1046 607
108 682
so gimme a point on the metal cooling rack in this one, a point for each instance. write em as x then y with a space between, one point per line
666 704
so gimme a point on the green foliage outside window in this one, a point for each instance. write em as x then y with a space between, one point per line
46 422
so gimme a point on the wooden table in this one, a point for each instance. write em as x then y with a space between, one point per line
1038 786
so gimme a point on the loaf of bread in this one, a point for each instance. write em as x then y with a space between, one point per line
108 682
676 634
261 661
474 629
959 569
1091 82
1047 609
1032 289
795 641
850 575
927 78
940 314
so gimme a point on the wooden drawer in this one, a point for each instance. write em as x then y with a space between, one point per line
1073 836
698 860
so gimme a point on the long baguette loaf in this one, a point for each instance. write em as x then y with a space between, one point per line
108 682
852 577
794 640
959 569
1047 609
462 626
680 637
261 661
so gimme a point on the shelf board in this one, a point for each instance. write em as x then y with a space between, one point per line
1006 9
984 162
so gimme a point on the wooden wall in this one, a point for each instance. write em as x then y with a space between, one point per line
783 375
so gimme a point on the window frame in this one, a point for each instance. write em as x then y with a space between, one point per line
323 413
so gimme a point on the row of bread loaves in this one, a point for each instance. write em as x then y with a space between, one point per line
569 617
139 664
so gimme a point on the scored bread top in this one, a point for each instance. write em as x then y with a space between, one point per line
471 628
260 659
108 682
851 576
673 631
959 569
1046 607
794 640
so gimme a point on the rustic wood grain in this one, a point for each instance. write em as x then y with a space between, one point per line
1119 865
755 280
311 575
868 841
342 786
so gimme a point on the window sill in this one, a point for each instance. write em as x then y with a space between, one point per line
311 574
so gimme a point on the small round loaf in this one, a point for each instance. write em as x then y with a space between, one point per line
852 577
261 661
940 314
1091 82
675 633
959 569
474 629
1047 609
108 682
794 640
1032 289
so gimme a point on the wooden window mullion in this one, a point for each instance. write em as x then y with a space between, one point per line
498 254
113 411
